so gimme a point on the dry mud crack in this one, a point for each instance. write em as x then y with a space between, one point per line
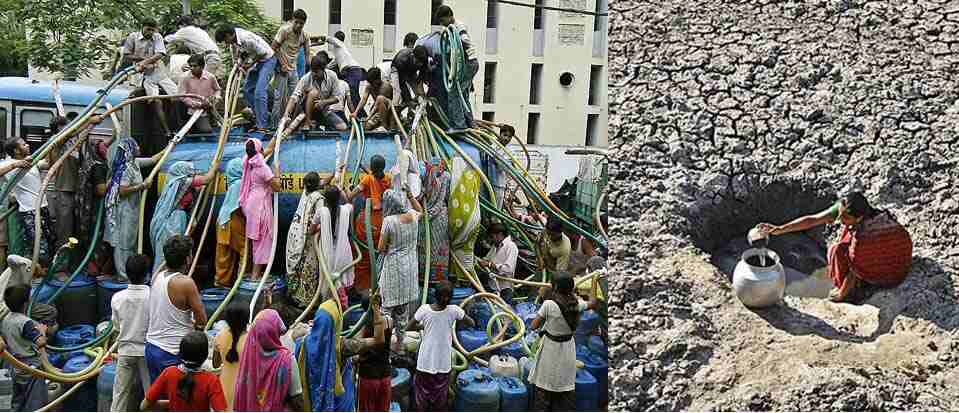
728 113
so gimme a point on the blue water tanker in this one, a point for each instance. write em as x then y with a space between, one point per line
476 391
460 294
300 153
514 396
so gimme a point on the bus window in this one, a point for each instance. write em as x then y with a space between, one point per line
34 124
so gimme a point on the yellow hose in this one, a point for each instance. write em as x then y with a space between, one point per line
206 229
54 376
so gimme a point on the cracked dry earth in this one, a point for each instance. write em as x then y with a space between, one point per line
729 113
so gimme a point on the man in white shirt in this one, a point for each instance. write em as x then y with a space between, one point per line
501 260
342 92
317 92
259 61
129 316
27 193
197 41
146 48
350 69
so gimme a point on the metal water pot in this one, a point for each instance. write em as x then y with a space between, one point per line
759 285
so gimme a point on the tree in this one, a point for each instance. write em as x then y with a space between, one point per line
13 62
77 37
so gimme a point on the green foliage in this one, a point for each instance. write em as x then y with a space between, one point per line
77 37
13 61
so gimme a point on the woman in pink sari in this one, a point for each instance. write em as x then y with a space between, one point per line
256 190
269 376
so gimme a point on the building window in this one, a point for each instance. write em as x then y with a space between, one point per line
538 15
489 116
492 14
287 10
336 12
591 121
3 123
595 84
489 82
535 83
389 13
532 129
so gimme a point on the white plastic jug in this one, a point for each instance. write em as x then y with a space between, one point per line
504 366
411 341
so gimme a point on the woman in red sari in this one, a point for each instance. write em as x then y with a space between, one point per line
872 247
372 186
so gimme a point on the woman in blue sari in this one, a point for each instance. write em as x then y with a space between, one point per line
329 373
122 200
172 213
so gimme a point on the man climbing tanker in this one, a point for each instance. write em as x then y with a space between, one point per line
873 248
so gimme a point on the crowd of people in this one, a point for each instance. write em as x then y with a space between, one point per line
160 317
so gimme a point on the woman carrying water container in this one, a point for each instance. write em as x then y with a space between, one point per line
256 199
872 248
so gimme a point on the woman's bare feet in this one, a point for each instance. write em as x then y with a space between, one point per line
840 294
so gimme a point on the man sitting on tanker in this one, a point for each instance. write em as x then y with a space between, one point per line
872 246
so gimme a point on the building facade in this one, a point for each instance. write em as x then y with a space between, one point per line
542 71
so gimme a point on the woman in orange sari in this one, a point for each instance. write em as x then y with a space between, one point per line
372 187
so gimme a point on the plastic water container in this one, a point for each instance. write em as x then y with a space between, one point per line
6 391
513 394
395 407
411 341
588 323
476 391
212 298
58 359
472 339
527 312
587 391
476 366
85 399
514 349
532 340
74 305
525 366
75 335
597 366
460 294
279 288
504 366
480 312
598 347
42 290
105 386
248 287
400 387
105 290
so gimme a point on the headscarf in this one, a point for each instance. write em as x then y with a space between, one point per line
322 358
265 366
231 200
124 159
178 179
395 202
249 165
